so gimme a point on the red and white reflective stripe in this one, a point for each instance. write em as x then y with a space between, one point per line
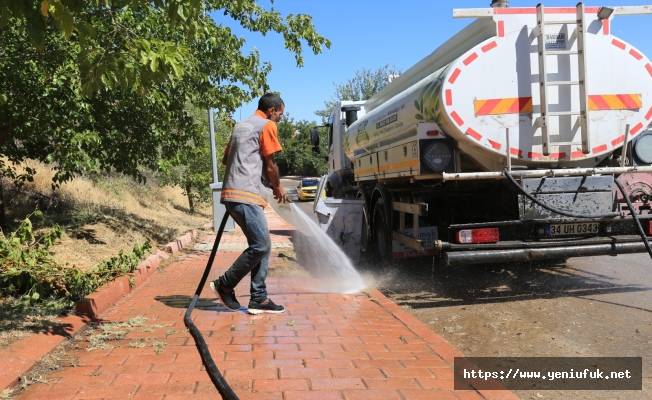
635 54
459 121
489 46
605 26
493 144
501 28
552 156
636 129
454 75
516 152
549 10
475 135
470 59
619 44
618 141
599 149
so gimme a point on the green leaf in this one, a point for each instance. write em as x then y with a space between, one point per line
154 63
4 16
36 31
419 117
180 12
68 23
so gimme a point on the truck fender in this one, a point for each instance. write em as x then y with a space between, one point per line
333 185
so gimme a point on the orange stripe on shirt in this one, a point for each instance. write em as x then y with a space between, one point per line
238 195
242 193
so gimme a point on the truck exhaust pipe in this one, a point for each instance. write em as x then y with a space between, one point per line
500 3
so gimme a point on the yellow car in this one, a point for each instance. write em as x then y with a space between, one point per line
307 189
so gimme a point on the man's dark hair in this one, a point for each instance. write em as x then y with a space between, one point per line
270 100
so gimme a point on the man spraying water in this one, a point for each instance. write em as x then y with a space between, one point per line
250 171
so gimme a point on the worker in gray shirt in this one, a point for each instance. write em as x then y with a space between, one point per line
250 172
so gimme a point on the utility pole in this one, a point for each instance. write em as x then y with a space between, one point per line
216 187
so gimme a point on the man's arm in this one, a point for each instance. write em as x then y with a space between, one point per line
272 174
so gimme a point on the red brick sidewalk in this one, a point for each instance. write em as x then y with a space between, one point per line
326 346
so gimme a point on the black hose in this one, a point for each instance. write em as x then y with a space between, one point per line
511 179
569 214
216 377
638 223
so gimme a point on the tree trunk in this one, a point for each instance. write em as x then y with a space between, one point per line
3 218
190 203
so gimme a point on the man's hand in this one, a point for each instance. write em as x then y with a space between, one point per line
279 194
272 174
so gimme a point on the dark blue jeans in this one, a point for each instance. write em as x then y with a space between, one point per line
255 258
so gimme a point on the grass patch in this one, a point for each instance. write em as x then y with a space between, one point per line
100 216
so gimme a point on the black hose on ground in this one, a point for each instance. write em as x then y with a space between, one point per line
216 377
641 232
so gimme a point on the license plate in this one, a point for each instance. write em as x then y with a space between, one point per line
583 228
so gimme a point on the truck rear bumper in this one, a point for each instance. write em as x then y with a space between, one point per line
464 258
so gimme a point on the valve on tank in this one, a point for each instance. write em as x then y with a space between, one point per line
500 3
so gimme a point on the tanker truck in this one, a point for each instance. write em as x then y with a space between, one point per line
524 137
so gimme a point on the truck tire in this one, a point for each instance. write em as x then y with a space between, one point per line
365 232
382 233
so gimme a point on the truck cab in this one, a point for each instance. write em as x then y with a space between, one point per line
339 166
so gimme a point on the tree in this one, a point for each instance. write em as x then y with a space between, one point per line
297 157
192 168
362 86
109 93
141 60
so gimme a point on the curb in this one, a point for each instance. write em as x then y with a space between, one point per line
438 344
21 356
109 294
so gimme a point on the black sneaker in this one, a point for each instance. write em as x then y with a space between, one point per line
266 306
228 299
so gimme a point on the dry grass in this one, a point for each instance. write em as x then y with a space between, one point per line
16 325
102 217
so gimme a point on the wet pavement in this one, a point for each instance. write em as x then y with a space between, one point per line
586 307
325 346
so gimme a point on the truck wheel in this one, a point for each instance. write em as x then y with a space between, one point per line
381 232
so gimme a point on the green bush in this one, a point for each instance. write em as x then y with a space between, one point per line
29 271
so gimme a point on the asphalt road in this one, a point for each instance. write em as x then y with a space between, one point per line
587 307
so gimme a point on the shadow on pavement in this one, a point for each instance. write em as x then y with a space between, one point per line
183 301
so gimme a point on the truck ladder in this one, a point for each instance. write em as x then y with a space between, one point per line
542 121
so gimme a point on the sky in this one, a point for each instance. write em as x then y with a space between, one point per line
369 34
